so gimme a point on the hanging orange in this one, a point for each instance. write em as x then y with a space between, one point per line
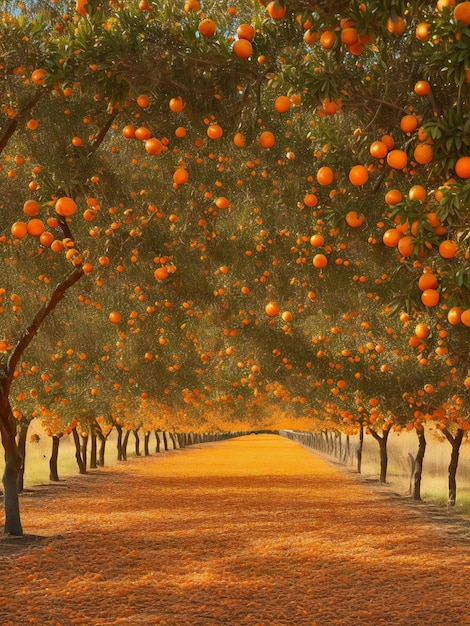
358 175
267 139
325 175
65 206
242 48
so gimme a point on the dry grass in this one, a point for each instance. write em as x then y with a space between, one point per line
249 532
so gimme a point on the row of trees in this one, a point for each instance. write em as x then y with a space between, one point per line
273 231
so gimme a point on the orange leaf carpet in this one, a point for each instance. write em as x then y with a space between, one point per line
246 532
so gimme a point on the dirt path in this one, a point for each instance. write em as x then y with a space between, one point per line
248 532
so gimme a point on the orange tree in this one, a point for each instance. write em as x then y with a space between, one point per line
201 170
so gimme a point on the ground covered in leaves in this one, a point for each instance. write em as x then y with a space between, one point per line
246 532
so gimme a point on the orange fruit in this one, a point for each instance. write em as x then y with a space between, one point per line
391 237
409 123
38 76
35 227
31 208
242 48
422 330
378 149
282 104
462 13
396 27
180 176
272 309
143 100
417 192
423 31
267 139
325 175
129 131
349 36
161 273
358 175
317 240
462 167
422 88
214 131
115 317
176 104
246 31
142 133
19 230
327 39
331 106
423 153
448 249
405 246
397 159
428 280
276 10
394 196
454 315
153 146
465 317
320 260
353 219
207 27
430 297
310 200
65 206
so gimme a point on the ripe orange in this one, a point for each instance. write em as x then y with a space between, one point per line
422 330
317 240
38 76
391 237
406 246
349 36
394 196
282 104
180 176
143 100
422 88
153 146
239 140
358 175
310 200
246 31
353 219
65 206
320 260
331 106
161 273
378 149
142 133
272 309
465 317
417 192
242 48
409 123
176 104
448 249
276 10
397 159
396 27
423 31
454 315
35 227
214 131
462 167
430 297
428 280
423 153
325 175
115 317
19 230
462 13
129 131
267 139
31 208
327 39
207 27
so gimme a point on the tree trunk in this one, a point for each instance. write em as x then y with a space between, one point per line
119 442
83 450
102 448
124 445
146 443
418 469
78 452
165 440
137 442
382 441
53 470
21 442
174 441
455 442
13 462
360 446
158 443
